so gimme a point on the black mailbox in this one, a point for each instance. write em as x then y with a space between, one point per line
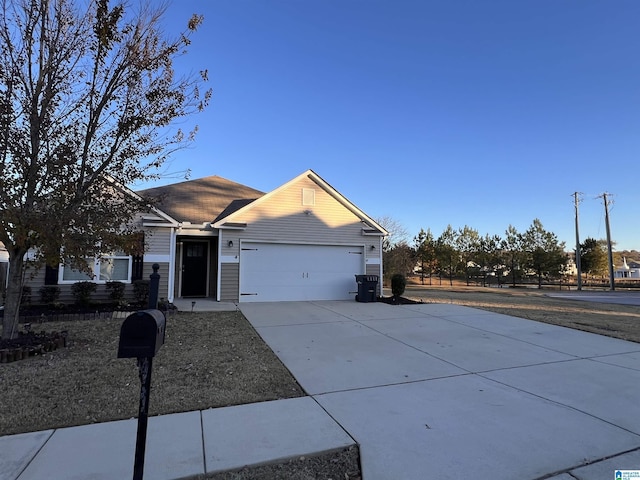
142 334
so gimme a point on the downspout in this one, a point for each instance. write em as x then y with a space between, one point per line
171 280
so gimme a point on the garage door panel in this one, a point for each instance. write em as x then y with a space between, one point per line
279 272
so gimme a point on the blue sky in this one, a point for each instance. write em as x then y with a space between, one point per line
478 113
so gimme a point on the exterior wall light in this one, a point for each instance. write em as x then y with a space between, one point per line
230 244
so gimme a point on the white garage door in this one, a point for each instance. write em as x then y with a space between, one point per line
271 272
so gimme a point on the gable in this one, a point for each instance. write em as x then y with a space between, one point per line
287 207
307 195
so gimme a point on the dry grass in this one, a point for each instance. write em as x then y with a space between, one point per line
209 360
614 320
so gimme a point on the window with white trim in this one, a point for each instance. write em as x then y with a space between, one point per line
107 268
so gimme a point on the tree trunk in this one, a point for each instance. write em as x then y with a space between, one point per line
14 294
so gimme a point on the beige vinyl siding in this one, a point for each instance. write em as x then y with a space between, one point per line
229 278
158 241
213 268
373 270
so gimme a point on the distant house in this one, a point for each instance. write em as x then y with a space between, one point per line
627 270
214 238
570 267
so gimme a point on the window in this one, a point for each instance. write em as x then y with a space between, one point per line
114 268
107 268
195 250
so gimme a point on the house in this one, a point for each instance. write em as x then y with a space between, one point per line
214 238
627 270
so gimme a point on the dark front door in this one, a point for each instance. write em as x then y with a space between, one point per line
194 269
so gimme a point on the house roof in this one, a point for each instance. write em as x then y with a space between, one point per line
203 200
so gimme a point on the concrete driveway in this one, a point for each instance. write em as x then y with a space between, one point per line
436 391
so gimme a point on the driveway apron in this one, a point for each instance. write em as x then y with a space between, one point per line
445 391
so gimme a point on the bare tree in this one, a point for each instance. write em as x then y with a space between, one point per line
87 98
398 234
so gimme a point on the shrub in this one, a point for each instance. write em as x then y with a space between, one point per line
116 291
141 291
398 284
49 294
26 295
82 292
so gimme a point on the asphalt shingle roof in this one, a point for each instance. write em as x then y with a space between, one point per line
201 200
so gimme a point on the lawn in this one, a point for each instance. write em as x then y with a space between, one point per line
209 360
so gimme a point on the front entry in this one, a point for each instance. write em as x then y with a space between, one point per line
195 262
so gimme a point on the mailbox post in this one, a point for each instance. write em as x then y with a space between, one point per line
154 286
141 336
144 369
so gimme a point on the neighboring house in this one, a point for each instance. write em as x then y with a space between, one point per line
570 267
627 270
214 238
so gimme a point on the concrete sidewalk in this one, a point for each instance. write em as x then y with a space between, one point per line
445 391
427 391
178 446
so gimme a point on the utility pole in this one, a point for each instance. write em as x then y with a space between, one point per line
576 198
612 285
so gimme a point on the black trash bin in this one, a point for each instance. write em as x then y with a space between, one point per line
367 288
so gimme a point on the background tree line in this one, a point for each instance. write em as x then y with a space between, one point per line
513 257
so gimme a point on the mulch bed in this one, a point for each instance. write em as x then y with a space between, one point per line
29 344
393 300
